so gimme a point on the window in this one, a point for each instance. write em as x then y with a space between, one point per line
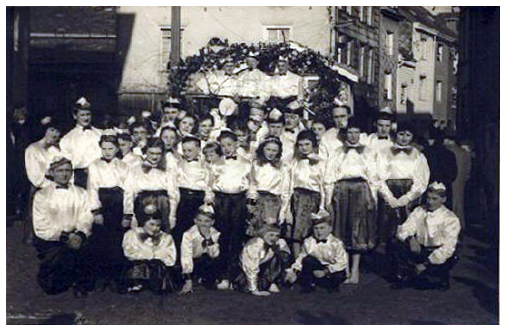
369 15
349 10
389 43
349 53
387 86
370 67
404 93
361 61
422 87
423 48
166 45
361 13
277 34
439 90
439 55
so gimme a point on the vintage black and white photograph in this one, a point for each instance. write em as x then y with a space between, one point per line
252 165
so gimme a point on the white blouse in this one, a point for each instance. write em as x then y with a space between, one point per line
154 180
37 161
253 255
307 176
231 176
273 180
440 227
136 249
82 146
350 164
103 174
191 247
57 210
132 159
402 165
330 253
193 175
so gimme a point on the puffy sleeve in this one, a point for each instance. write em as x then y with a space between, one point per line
250 262
93 186
173 197
382 174
285 190
43 225
420 178
35 171
85 217
214 249
330 177
451 236
340 260
187 254
128 194
297 265
166 251
133 248
408 228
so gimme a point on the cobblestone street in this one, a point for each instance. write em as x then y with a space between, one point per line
472 299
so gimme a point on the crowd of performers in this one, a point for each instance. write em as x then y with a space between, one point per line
253 205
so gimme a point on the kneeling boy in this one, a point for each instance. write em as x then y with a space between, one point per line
200 249
426 243
322 261
262 262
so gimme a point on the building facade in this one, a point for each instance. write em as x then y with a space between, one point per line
147 44
356 36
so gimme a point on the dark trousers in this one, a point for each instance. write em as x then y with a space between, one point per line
206 268
107 238
230 215
81 177
405 261
187 210
331 282
62 267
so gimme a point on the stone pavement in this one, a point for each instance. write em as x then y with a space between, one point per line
472 299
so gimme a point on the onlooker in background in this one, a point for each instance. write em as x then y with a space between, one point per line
442 163
463 159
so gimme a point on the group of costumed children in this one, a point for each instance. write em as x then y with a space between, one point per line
251 207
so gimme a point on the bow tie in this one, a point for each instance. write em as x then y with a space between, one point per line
267 247
106 160
383 138
207 242
358 148
397 150
193 160
231 157
63 187
87 127
155 238
319 241
146 167
290 130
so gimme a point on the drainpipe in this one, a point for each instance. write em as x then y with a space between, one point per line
175 42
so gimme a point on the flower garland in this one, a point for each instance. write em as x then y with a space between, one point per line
302 61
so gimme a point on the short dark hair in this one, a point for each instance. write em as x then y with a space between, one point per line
215 146
205 118
307 135
353 122
125 136
108 139
348 109
191 139
227 134
154 143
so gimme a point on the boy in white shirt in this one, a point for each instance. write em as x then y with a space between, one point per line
263 261
322 261
62 221
425 250
200 250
